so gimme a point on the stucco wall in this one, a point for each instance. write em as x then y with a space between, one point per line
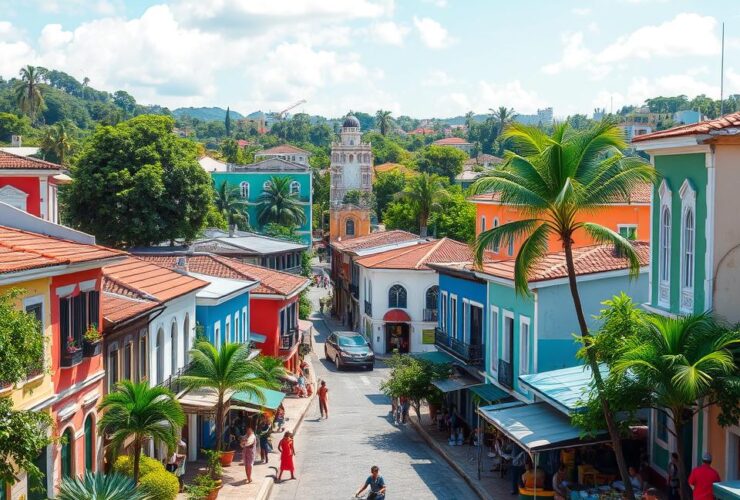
175 312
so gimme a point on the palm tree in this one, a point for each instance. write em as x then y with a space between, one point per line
277 204
58 141
96 486
272 367
226 370
502 117
231 204
135 409
424 192
558 181
28 91
683 360
384 121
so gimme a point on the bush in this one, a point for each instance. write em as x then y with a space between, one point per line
161 485
125 465
304 306
202 486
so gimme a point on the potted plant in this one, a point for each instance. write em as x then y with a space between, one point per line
215 469
204 487
93 341
72 355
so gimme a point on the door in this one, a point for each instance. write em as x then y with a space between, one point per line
476 325
37 486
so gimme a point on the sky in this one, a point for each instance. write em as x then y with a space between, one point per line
423 58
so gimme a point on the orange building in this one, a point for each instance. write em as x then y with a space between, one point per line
630 217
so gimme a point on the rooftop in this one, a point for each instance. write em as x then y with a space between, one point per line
731 121
283 149
417 256
213 165
482 159
252 242
10 161
219 287
393 167
139 278
117 308
451 141
640 195
377 239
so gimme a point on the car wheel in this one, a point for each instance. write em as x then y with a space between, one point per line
370 368
337 363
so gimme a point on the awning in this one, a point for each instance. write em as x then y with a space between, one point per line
201 401
563 388
728 490
455 383
536 427
258 337
397 316
271 402
436 357
488 392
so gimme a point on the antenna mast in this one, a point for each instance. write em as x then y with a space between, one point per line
722 76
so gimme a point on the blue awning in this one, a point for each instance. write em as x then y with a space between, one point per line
271 402
436 357
728 490
257 337
564 388
489 392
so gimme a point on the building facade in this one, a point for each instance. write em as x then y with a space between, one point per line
30 184
285 152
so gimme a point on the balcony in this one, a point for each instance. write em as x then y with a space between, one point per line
368 308
505 374
173 382
290 339
430 314
472 354
71 357
354 290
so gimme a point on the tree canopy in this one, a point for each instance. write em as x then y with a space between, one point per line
445 161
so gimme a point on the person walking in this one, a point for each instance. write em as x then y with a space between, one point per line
376 483
249 450
702 478
263 432
323 394
287 452
518 458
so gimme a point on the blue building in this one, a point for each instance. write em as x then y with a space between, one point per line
222 309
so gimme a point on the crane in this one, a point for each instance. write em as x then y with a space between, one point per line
281 114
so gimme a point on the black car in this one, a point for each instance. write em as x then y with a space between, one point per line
349 349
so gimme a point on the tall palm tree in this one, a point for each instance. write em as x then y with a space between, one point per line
558 181
231 204
502 116
424 192
97 486
142 412
58 141
28 91
384 121
226 370
272 367
682 359
277 204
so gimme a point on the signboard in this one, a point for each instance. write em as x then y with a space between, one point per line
427 336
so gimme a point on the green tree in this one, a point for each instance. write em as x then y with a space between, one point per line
125 102
226 370
455 217
227 121
386 186
28 92
384 121
230 150
412 378
502 116
98 486
689 363
57 142
135 410
399 215
559 180
137 183
442 160
233 207
424 193
11 124
277 204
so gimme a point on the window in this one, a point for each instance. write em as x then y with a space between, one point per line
661 426
465 322
128 361
186 340
173 347
245 325
432 297
35 307
244 189
66 452
482 224
628 231
351 158
217 334
665 245
159 354
688 249
112 368
688 246
237 332
508 339
443 312
494 338
143 355
295 187
523 346
89 443
349 227
227 337
511 247
397 297
453 315
495 224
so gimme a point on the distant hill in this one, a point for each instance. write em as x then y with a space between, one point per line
206 113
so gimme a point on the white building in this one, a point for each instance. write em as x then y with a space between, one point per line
285 152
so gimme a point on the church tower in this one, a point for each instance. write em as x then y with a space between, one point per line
351 183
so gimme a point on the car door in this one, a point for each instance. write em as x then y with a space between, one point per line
331 343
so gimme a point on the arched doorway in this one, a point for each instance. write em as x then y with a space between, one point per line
159 355
173 347
67 453
397 331
38 486
186 340
89 444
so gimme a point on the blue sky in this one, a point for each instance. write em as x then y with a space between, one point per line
417 57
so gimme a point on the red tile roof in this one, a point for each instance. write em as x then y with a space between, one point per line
22 250
728 121
374 240
272 282
450 141
587 260
137 277
282 149
422 131
419 255
117 308
10 161
640 195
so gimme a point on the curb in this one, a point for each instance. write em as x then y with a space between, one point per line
440 451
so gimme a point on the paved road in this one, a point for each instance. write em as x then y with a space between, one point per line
333 456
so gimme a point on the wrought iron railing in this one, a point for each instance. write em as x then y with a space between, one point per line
288 340
354 290
173 382
430 314
470 353
505 374
368 308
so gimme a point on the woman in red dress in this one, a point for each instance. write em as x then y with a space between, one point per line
287 452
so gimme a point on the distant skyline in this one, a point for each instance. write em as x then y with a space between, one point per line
423 58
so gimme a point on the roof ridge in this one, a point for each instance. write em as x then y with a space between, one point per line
220 259
130 287
426 256
125 297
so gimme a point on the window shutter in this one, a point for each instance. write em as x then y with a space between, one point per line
64 322
94 303
78 311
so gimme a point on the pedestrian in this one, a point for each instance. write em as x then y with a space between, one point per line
376 483
249 450
405 406
279 417
532 480
703 477
176 464
651 494
301 386
287 452
673 481
264 431
518 457
323 393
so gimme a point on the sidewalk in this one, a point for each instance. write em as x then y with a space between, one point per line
464 460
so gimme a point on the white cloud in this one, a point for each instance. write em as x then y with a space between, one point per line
437 78
487 95
100 7
581 11
437 3
641 88
433 34
389 33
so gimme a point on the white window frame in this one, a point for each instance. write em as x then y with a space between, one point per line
265 185
443 312
495 248
217 334
626 226
688 205
664 246
466 322
295 187
453 315
510 248
244 189
664 444
227 328
245 325
525 359
237 332
493 334
505 348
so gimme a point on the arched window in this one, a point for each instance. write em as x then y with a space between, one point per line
665 245
495 224
159 354
265 185
186 339
482 223
397 297
237 332
244 188
66 452
89 443
295 187
511 247
173 347
688 249
432 295
349 227
351 158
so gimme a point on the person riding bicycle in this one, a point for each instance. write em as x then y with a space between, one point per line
376 484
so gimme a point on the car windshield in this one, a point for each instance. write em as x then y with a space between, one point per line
353 341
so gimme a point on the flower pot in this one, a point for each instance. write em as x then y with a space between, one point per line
71 358
227 457
91 349
214 493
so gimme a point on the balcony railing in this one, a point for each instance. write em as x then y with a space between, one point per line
368 308
430 314
354 290
472 354
173 382
288 340
505 374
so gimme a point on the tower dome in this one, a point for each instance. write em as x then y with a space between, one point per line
351 121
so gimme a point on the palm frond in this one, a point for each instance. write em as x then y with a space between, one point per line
502 235
532 250
602 234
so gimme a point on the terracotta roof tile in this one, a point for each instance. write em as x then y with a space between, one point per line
727 121
449 141
10 161
117 308
282 149
373 240
640 195
419 255
136 276
22 250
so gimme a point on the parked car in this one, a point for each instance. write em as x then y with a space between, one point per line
349 349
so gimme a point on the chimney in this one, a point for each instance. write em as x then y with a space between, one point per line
16 141
181 264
